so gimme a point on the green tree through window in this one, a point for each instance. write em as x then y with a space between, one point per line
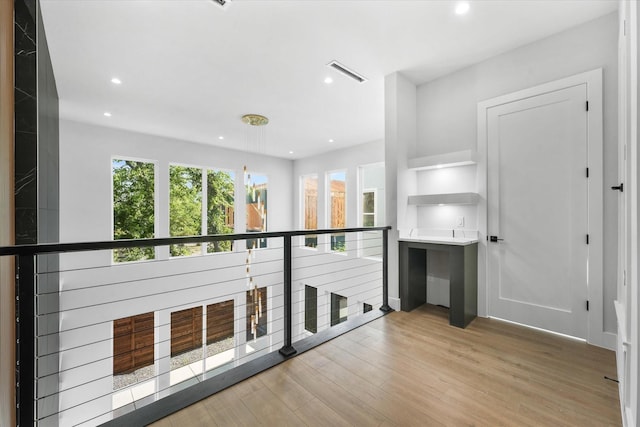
220 212
133 207
185 207
134 200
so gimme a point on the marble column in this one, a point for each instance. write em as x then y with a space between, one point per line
26 122
37 188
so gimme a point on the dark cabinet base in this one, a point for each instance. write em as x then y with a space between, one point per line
463 276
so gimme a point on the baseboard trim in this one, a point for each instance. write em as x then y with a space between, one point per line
394 303
609 340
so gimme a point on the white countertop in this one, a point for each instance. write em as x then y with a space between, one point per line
440 240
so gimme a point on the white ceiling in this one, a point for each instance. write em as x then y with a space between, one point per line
190 68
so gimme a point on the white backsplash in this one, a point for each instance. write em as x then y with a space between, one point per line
439 232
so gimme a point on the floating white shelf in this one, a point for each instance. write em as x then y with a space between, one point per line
444 199
447 160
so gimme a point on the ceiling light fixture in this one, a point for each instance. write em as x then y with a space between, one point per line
256 207
290 152
255 119
462 8
331 140
328 80
116 81
346 71
107 114
221 137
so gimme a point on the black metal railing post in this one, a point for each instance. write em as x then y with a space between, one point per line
385 272
25 338
287 349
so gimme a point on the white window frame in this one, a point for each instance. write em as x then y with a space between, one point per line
328 205
375 206
302 206
156 204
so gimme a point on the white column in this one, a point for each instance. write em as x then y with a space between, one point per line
400 182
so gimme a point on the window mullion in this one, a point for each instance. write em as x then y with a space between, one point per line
204 230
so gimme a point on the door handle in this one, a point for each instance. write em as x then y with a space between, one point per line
494 239
619 187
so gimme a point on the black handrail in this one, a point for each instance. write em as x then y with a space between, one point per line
46 248
26 293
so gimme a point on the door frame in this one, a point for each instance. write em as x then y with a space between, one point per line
595 277
628 298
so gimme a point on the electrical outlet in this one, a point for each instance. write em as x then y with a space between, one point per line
460 221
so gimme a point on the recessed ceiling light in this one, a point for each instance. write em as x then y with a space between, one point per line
107 114
331 140
221 137
116 81
462 8
290 152
328 80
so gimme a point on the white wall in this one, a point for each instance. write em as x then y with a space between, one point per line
447 109
93 293
459 179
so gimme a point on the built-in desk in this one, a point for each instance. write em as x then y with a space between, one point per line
463 275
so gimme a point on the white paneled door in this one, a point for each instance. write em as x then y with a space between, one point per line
538 210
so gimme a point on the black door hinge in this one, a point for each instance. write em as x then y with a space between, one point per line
587 105
587 172
587 305
587 239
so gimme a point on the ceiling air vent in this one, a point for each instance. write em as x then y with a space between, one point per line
347 72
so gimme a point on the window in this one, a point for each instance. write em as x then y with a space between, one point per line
220 325
133 207
220 212
310 208
372 180
186 334
256 203
339 309
372 183
256 313
338 211
369 208
311 309
133 349
366 307
186 330
185 207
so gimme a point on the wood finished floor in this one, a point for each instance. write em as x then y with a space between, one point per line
414 369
